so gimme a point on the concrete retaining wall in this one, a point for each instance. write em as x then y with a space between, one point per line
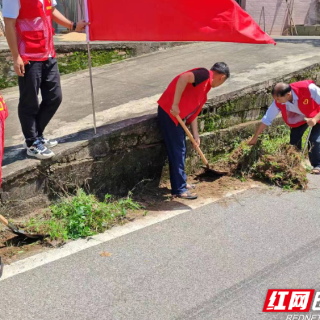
308 30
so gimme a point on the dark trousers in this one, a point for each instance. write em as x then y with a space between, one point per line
314 142
35 116
175 142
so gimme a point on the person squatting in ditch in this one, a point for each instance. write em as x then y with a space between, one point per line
299 104
185 96
29 32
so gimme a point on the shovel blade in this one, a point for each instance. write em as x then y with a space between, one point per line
24 234
21 233
214 171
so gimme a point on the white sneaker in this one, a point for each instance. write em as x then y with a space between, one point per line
48 143
39 151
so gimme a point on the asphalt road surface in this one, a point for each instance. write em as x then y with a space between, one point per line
216 262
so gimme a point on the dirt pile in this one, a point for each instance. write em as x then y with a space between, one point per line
282 167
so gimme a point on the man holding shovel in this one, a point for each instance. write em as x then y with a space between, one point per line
185 97
299 104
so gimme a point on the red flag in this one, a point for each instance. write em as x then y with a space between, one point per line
172 20
3 117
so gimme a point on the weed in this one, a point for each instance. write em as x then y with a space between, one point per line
68 63
272 159
79 60
82 216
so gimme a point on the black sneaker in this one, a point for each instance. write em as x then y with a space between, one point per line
48 143
39 151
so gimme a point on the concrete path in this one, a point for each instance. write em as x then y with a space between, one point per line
131 88
216 262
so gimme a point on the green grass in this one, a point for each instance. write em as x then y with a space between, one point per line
78 60
69 63
271 143
8 82
272 159
82 216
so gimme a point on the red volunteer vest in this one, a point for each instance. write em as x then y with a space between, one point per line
192 99
305 103
3 117
35 31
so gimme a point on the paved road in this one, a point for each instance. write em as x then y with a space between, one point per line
216 262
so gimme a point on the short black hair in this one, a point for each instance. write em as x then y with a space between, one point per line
221 68
281 89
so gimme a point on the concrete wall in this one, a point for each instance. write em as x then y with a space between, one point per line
276 13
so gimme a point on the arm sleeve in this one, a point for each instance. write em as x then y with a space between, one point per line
200 75
11 8
271 114
54 3
315 92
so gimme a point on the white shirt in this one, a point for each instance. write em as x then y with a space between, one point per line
11 8
293 107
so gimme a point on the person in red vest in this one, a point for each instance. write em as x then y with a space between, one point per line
185 96
299 104
29 34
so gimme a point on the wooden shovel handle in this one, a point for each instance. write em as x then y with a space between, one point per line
204 159
4 220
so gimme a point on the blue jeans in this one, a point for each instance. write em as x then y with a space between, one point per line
314 142
175 141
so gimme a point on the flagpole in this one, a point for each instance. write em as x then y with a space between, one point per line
90 70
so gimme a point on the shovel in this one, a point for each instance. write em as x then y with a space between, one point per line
18 232
203 158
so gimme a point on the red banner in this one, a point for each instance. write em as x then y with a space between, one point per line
172 20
